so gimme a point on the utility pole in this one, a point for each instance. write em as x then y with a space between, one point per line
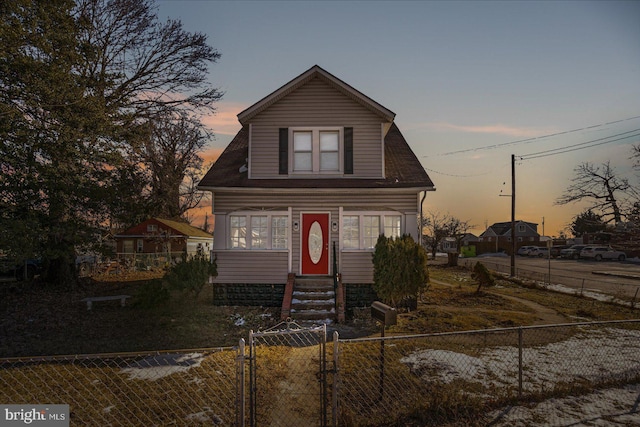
513 215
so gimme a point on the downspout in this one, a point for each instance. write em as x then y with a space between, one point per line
420 222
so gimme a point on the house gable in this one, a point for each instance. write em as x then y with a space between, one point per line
315 72
314 108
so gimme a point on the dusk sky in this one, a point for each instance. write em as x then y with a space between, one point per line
460 76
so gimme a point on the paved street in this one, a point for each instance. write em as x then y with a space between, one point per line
621 279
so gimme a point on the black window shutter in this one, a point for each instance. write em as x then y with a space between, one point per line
348 151
284 151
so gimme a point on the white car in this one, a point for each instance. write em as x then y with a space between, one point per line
540 252
602 252
524 250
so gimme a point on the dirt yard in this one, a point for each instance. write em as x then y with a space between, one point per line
36 320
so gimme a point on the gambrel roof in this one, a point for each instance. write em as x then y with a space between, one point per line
402 169
303 78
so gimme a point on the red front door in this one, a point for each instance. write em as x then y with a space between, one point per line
315 244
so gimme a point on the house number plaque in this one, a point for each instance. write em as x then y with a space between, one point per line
315 242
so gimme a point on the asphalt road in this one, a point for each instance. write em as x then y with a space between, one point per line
619 279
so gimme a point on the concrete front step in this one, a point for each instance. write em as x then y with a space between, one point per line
317 315
313 299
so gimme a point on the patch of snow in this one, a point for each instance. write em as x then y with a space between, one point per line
609 407
587 293
494 254
162 365
205 417
238 320
544 366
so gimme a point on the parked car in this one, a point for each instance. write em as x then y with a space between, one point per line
573 252
524 250
555 250
602 252
11 269
540 252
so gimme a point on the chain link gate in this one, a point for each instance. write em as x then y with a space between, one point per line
288 376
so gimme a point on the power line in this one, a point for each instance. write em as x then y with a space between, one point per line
458 176
531 140
581 145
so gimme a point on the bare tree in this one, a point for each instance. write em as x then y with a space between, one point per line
609 194
433 227
173 164
438 226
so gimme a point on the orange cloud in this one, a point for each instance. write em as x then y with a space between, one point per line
212 154
224 121
492 129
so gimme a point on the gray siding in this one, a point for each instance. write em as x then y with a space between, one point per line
234 267
357 267
240 266
316 104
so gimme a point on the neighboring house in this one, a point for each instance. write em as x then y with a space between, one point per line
162 236
317 164
500 234
450 244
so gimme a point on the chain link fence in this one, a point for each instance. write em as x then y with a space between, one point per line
293 377
288 376
623 295
187 388
462 377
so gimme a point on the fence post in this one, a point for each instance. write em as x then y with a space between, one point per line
336 379
240 378
520 362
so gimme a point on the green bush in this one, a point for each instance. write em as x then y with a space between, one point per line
482 275
151 294
399 269
191 274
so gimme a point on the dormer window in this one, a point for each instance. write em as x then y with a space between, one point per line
316 150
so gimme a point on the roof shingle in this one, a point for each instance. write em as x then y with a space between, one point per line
402 169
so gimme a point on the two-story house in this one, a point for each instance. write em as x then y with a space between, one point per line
318 171
499 234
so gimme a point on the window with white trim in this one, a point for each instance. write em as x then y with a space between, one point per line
371 229
392 225
279 232
361 231
351 232
259 232
238 231
316 150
